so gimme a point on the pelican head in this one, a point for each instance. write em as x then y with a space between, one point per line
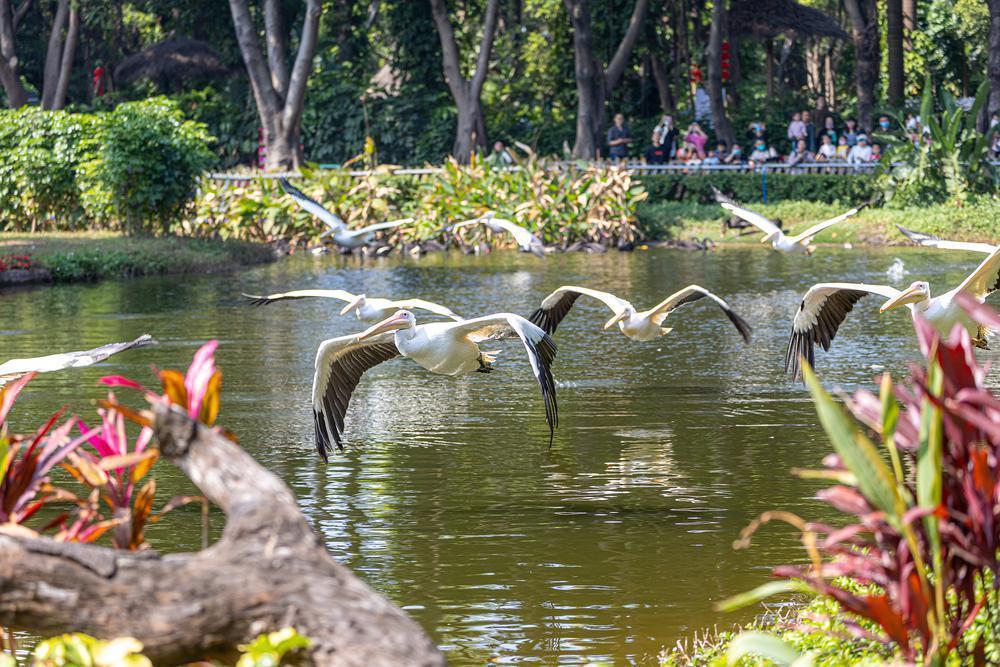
915 293
770 237
355 305
403 319
620 317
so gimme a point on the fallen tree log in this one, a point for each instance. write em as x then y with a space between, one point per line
269 570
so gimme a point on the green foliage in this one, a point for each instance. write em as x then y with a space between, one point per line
748 187
150 161
950 164
38 179
80 650
268 650
583 203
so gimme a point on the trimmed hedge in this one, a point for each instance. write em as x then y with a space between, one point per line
134 168
748 187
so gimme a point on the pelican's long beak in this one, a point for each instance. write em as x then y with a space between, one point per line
352 304
615 320
394 323
910 295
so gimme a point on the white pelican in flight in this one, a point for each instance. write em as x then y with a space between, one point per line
526 241
367 309
641 326
15 368
445 348
825 306
800 243
931 241
339 232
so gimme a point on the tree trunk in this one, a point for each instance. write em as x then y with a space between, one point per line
769 68
268 571
68 54
909 23
720 122
53 54
865 34
9 75
894 51
662 78
467 93
593 82
280 97
993 64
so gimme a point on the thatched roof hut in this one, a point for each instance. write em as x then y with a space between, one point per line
769 18
172 62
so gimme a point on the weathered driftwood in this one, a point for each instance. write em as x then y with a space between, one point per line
269 570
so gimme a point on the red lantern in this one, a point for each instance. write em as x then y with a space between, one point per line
695 74
724 64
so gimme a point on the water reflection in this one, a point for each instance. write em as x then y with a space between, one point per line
608 546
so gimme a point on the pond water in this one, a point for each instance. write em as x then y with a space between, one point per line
612 544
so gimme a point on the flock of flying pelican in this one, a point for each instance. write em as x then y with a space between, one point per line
453 347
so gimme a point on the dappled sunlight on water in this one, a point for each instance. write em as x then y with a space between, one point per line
610 545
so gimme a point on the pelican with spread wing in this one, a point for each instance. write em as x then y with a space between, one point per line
826 305
526 241
445 348
367 309
931 241
339 232
641 326
15 368
800 243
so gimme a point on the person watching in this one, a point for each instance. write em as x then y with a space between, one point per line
619 138
827 151
861 152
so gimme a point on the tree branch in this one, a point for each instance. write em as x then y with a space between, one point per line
483 60
21 10
268 571
274 35
267 98
68 54
303 64
616 67
449 52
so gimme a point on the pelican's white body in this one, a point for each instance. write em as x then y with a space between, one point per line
641 327
944 313
435 347
788 244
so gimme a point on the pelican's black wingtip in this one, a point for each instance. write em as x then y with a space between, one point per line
255 299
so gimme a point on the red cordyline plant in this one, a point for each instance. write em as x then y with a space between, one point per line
925 506
114 467
25 461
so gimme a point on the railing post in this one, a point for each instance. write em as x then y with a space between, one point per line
763 182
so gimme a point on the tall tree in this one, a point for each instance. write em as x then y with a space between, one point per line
10 77
720 122
59 55
909 23
593 81
894 50
278 92
863 15
467 93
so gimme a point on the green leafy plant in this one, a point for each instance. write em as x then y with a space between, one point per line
923 544
80 650
950 162
148 168
268 650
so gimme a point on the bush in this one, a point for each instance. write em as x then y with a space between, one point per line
131 167
43 152
150 161
748 187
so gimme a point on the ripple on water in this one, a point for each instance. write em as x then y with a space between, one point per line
447 498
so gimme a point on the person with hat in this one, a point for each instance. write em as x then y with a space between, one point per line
861 152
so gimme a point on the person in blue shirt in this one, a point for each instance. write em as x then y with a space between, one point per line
618 139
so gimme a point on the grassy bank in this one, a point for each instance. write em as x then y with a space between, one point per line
85 256
685 220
